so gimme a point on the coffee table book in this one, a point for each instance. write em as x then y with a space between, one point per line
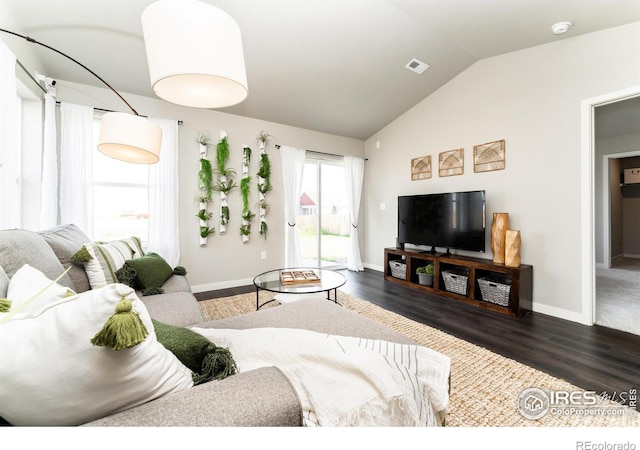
289 277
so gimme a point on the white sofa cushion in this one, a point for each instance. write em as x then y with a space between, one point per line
51 374
30 290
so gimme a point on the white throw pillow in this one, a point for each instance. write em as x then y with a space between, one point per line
29 281
108 257
51 374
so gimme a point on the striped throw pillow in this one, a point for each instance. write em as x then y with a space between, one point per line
108 257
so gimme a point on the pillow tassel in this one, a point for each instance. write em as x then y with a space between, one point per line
126 275
218 363
81 256
179 270
5 305
122 330
152 291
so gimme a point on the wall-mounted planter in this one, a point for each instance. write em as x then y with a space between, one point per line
205 185
245 189
264 182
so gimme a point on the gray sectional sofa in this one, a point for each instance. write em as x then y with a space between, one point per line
260 397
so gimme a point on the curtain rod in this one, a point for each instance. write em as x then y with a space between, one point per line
321 153
110 110
313 151
24 69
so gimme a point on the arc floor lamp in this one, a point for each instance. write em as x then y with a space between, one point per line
195 57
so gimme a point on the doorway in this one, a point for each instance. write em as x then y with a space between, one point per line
618 275
590 218
323 213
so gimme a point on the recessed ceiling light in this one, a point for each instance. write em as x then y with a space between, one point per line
561 27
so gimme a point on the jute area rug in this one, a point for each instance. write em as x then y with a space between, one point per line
484 386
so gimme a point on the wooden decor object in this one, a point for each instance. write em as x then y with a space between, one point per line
499 229
451 163
488 157
512 249
421 168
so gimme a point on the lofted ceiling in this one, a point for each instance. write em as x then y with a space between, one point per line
334 66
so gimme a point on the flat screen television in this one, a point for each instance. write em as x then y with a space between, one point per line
452 220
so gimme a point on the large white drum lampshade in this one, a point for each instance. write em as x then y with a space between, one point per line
194 53
130 138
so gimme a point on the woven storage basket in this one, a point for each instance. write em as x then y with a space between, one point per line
455 281
398 269
494 290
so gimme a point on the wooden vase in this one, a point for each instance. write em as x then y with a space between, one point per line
499 229
512 249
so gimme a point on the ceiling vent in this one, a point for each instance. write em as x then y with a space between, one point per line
417 66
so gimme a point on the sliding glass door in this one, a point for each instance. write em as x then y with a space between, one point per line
323 214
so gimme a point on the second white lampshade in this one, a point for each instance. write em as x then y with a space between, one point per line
194 53
130 138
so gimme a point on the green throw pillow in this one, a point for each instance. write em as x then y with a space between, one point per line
206 360
152 271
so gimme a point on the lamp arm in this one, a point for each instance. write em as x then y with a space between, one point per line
30 39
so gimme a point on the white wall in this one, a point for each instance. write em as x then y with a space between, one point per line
530 98
225 261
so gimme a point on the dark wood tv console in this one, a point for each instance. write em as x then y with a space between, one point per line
476 281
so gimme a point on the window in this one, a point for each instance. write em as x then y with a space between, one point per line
120 196
323 206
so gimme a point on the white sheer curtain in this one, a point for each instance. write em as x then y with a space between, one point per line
163 196
9 141
292 168
354 174
76 183
49 188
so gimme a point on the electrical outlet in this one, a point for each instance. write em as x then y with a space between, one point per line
263 254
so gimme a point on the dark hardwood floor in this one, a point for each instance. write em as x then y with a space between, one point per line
593 358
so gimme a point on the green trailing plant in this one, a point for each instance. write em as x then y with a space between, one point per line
263 229
245 188
206 231
222 154
204 215
205 179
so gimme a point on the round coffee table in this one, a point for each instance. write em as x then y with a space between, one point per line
329 280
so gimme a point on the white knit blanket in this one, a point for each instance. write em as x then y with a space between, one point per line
347 381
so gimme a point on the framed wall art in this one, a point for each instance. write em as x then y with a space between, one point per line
421 168
489 157
451 163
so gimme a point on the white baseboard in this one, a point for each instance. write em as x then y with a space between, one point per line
626 255
373 267
221 285
560 313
